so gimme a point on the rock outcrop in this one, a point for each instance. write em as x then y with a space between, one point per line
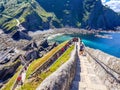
21 35
8 71
31 55
44 43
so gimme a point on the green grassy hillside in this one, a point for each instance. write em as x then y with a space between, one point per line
45 14
30 14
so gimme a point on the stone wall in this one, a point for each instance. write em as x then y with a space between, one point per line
107 67
61 78
50 60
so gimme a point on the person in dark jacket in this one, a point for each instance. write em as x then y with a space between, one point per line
82 47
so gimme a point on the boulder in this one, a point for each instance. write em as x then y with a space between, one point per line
44 43
32 54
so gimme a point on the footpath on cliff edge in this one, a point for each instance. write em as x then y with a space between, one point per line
86 78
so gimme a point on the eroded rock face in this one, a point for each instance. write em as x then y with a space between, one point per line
109 72
44 43
8 71
21 35
32 54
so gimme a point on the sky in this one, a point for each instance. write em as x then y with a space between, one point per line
113 4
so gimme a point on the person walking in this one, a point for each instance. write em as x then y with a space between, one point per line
82 47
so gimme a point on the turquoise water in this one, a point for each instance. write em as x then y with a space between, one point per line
110 46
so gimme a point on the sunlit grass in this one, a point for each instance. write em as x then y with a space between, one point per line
9 25
37 63
38 79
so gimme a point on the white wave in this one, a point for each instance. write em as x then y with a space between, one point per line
40 32
53 36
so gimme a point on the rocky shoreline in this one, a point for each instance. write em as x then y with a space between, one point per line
7 42
40 35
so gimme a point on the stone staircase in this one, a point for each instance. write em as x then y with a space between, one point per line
86 78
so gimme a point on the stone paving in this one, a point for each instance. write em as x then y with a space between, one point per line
86 78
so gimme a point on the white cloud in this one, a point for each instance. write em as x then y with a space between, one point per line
103 1
113 4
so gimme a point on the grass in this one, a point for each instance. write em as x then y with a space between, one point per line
25 11
11 82
41 12
36 63
11 64
38 79
9 25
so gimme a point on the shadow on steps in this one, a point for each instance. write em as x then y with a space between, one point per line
77 79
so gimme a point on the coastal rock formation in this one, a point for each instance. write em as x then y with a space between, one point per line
44 14
106 67
32 54
31 45
44 43
35 50
21 35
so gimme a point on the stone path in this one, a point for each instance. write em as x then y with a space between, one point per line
85 78
23 79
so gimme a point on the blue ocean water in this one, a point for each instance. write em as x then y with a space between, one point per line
107 0
110 46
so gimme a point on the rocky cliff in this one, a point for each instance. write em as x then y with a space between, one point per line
45 14
7 71
29 13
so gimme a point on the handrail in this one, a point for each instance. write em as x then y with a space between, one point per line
112 72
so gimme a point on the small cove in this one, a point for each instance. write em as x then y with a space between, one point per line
108 45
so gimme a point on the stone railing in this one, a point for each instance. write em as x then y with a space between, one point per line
62 77
106 67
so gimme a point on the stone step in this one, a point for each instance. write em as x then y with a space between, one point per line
85 86
86 78
91 86
97 87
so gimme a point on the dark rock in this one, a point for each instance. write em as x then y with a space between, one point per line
8 71
31 46
44 44
21 35
52 45
32 54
